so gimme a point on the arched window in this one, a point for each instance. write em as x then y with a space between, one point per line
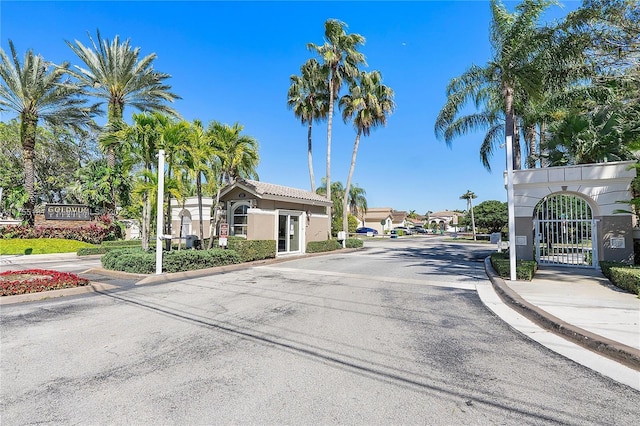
240 221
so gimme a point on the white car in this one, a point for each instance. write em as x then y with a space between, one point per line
404 229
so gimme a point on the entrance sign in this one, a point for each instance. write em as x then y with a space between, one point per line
67 212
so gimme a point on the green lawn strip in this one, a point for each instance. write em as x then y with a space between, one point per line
40 246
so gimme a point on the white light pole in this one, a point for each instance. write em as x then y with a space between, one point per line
511 209
160 225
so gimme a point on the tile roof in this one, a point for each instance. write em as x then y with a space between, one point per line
269 189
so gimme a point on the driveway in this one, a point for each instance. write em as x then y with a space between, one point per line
392 334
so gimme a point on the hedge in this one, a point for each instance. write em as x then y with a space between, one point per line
250 250
141 262
354 243
321 246
88 251
621 275
123 243
525 269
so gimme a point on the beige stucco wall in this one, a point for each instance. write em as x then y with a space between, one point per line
317 228
261 225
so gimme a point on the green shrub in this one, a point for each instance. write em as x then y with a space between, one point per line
130 260
87 251
622 275
354 243
122 243
187 260
321 246
525 269
626 278
250 250
137 261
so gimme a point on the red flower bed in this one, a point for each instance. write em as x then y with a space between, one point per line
36 280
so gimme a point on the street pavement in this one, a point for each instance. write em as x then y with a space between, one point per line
369 313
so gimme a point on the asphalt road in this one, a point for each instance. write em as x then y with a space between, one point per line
392 334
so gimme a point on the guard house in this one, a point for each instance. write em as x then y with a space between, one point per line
264 211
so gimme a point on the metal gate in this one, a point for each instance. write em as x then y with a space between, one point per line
565 232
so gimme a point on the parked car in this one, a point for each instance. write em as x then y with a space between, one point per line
419 230
404 229
365 230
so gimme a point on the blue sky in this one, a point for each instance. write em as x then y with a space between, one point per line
231 62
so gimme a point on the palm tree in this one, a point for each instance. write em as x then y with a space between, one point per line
367 105
470 196
512 73
198 159
237 156
142 141
175 136
309 100
337 194
115 73
37 90
340 55
357 201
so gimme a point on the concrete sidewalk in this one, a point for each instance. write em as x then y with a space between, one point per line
582 306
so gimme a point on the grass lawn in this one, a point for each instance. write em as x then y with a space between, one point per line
40 246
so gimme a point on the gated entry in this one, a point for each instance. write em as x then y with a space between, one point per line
565 231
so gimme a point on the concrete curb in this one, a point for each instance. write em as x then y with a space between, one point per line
619 352
53 294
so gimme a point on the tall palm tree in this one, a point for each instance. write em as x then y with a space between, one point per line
38 90
367 105
116 74
340 55
357 201
469 195
237 155
516 40
308 97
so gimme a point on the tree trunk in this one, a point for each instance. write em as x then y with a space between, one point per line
145 221
167 223
28 125
329 126
543 129
509 126
199 192
345 198
310 157
114 114
473 221
216 219
181 225
531 144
